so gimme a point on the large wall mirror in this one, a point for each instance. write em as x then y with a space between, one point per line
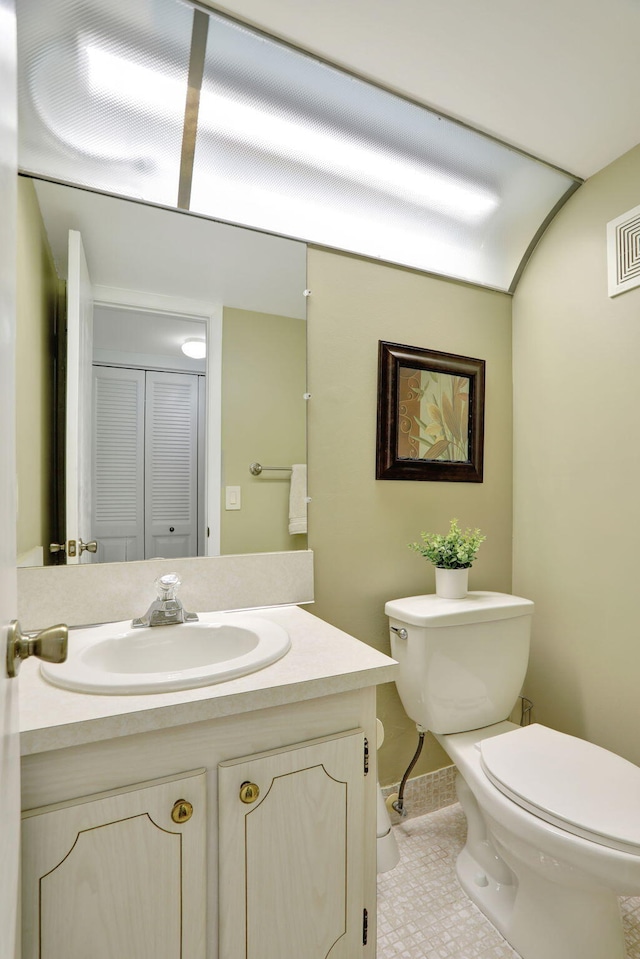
169 104
159 444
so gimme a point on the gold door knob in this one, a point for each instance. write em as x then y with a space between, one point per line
182 811
249 792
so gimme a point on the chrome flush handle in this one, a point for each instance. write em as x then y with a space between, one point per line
400 632
51 645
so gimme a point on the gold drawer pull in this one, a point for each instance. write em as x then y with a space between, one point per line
249 792
182 811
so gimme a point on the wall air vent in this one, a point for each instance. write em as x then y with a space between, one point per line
623 252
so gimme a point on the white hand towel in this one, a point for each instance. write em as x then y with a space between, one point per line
298 499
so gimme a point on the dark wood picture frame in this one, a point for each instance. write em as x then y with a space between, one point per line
405 439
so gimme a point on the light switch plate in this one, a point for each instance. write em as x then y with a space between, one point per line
232 497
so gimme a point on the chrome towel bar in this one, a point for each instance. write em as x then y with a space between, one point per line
255 469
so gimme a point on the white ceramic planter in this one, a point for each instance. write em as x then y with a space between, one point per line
452 583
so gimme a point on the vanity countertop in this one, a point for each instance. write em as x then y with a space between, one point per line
322 660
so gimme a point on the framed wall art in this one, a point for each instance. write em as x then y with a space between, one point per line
430 415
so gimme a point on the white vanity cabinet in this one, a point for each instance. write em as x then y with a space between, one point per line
292 851
290 874
115 876
287 876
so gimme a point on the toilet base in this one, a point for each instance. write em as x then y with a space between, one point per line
539 924
539 918
494 899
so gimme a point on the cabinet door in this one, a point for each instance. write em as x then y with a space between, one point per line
114 877
291 862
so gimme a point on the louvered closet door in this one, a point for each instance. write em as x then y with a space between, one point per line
118 464
171 480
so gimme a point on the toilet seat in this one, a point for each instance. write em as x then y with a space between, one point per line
573 784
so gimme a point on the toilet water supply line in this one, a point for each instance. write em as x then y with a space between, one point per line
398 803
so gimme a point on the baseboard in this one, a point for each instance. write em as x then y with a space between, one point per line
426 793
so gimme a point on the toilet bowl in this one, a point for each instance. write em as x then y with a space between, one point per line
549 887
553 821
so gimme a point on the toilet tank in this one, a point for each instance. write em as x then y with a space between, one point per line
463 661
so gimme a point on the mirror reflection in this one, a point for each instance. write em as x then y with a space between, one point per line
154 445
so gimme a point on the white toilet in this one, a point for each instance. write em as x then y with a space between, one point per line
553 821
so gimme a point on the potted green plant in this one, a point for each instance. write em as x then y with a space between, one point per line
452 555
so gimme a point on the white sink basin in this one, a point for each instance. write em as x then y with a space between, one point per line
117 659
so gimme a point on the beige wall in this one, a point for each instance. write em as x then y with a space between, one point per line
36 295
359 527
264 379
577 470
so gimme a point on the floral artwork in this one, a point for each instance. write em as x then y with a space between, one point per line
433 415
430 415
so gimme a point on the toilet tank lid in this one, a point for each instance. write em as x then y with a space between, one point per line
477 607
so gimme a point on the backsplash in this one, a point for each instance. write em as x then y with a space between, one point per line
425 794
108 592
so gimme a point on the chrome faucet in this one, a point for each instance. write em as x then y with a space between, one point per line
167 608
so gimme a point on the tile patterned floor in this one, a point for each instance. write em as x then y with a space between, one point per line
422 911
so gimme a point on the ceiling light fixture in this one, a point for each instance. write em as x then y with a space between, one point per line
114 75
196 349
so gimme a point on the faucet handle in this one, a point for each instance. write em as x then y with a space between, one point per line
167 608
167 586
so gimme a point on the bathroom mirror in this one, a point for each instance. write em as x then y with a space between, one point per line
158 278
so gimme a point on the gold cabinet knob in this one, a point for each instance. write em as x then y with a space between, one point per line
249 792
182 811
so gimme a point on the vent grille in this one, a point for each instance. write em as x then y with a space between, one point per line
623 251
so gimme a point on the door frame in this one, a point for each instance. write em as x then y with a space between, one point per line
78 392
9 690
211 315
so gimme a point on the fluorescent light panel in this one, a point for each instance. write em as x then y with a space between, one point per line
112 75
284 142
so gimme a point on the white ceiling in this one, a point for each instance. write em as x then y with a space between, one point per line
144 338
556 78
132 246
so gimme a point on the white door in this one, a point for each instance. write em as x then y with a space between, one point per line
9 744
171 465
148 480
118 463
79 394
